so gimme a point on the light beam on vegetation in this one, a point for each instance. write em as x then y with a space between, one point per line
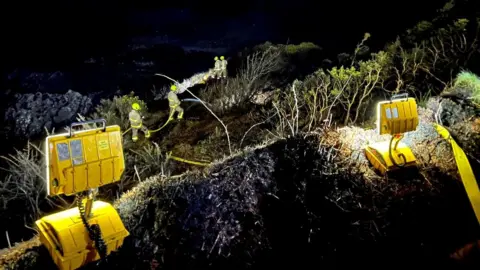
205 105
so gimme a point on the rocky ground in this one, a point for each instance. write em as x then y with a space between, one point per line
33 114
35 99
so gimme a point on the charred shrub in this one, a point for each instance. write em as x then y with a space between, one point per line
196 222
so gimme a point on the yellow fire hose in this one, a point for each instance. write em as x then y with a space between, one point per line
126 131
466 173
169 155
164 125
155 130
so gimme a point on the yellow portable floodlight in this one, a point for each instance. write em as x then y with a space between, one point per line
83 160
395 117
77 162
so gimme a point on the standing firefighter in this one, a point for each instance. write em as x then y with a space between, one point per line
218 68
174 103
136 122
223 67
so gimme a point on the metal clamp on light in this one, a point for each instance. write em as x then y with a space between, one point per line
95 121
399 96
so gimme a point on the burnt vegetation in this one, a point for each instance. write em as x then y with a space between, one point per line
297 190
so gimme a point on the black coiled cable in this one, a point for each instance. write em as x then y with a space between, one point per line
94 231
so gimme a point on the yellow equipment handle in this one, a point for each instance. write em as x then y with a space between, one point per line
465 170
95 121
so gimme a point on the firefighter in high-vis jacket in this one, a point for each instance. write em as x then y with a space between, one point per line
223 67
217 68
136 122
174 103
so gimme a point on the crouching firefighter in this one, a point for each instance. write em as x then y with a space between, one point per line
136 122
174 104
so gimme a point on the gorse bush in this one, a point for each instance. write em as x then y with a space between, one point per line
116 110
300 48
252 77
295 60
469 84
287 106
342 91
353 86
429 56
316 90
421 64
288 49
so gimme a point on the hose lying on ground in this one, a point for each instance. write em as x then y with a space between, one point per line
186 160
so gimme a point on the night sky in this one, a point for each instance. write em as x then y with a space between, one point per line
67 31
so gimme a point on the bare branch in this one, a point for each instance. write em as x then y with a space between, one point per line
254 125
205 105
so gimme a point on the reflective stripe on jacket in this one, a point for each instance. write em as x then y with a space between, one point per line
223 64
218 65
173 100
135 119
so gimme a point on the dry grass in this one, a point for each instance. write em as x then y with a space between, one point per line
9 256
426 144
150 160
300 192
306 188
24 181
252 77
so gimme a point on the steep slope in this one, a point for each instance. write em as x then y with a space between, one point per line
311 200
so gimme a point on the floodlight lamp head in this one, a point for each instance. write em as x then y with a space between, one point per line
397 116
